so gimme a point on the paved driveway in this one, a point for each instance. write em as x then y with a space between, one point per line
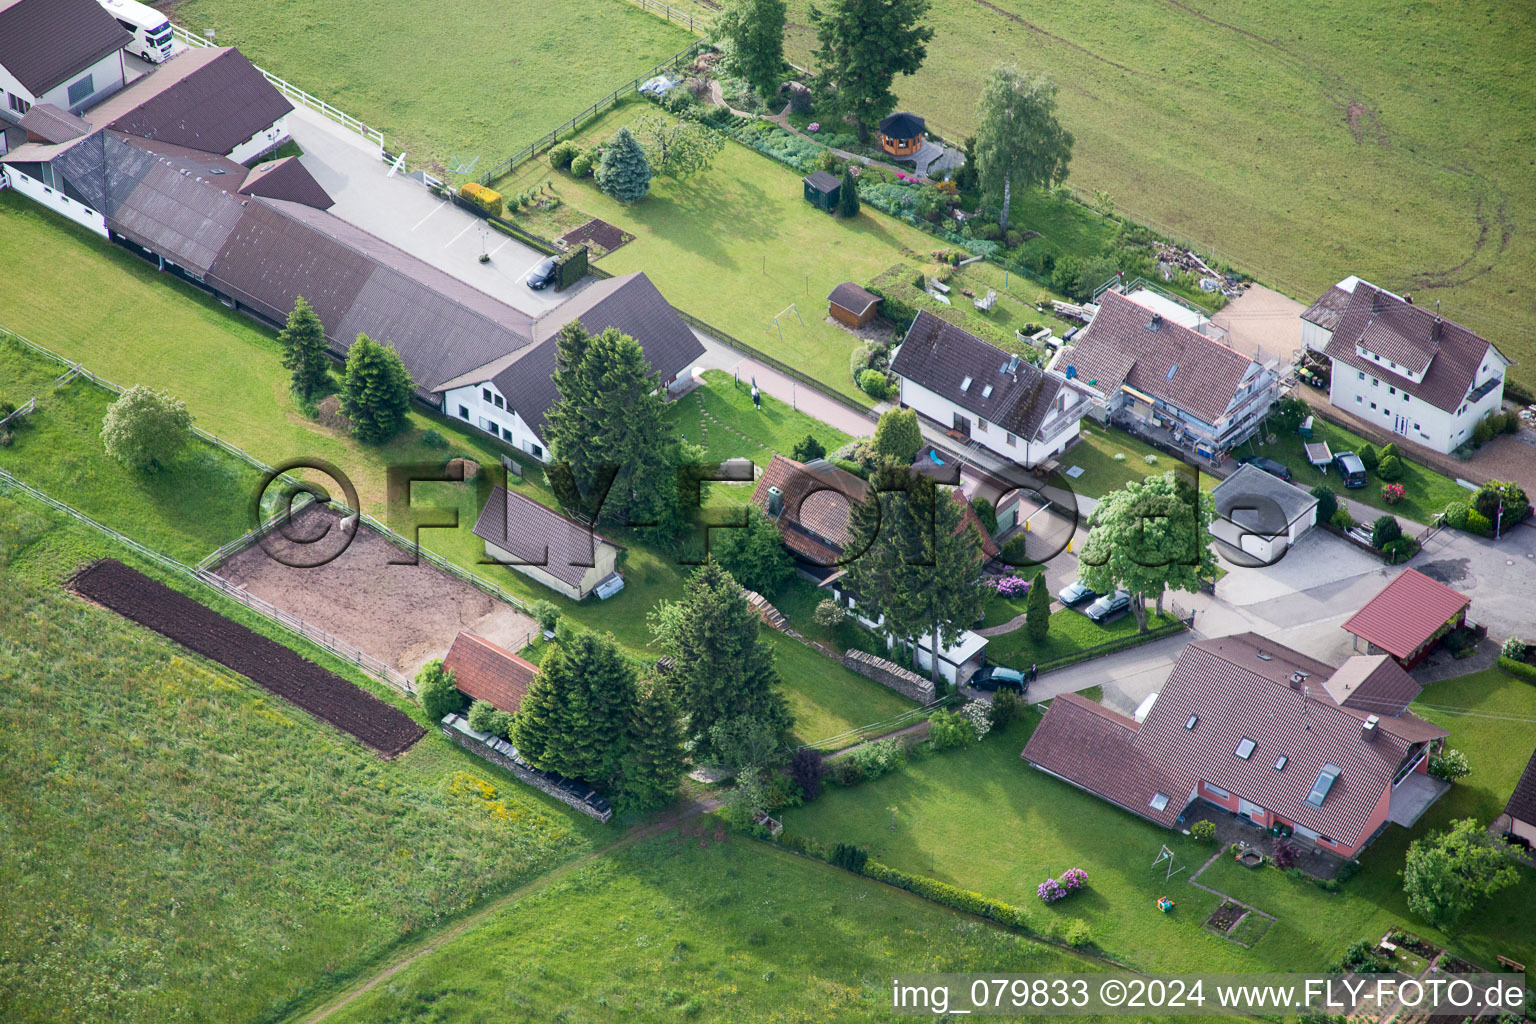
402 212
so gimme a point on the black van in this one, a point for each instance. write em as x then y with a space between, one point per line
1351 469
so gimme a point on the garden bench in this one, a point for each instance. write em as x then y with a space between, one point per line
1511 964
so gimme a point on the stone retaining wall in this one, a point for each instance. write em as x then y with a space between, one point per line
888 673
496 751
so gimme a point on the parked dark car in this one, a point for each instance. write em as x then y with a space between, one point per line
543 275
998 677
1109 605
1269 466
1075 593
1351 469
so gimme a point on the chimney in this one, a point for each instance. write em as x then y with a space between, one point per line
1437 329
1298 679
1368 730
1377 302
775 502
1155 322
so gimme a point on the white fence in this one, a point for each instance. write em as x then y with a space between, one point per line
297 95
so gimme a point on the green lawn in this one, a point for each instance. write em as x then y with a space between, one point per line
736 245
1071 631
1099 452
185 510
692 928
720 417
472 80
982 819
172 836
1300 143
1426 492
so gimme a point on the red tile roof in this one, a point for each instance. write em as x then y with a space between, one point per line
483 671
1232 694
1373 683
1406 613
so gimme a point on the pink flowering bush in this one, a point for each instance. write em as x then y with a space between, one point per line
1010 586
1393 493
814 126
1053 889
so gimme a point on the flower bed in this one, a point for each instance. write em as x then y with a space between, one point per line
1053 889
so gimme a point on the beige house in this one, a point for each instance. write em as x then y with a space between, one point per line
545 546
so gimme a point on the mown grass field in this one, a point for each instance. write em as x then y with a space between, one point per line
1303 142
458 79
736 245
983 819
690 927
198 350
176 844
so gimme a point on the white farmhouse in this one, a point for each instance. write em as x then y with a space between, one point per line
980 393
66 53
1402 367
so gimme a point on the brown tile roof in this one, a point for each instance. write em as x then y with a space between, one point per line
941 357
1232 694
818 500
210 99
53 125
539 535
286 179
1093 747
1413 337
1406 613
1182 367
1325 312
851 297
44 42
484 671
1373 683
1522 802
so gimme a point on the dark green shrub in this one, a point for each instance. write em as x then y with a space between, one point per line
850 857
1369 456
432 439
1390 468
1341 519
1518 668
858 361
1496 492
1399 549
571 268
1479 524
1204 831
858 469
562 153
1384 530
546 614
1327 502
582 163
949 895
482 715
1456 515
1390 449
874 384
436 691
1482 432
1013 550
1013 239
985 512
1005 708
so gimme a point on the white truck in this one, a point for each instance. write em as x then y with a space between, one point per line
152 38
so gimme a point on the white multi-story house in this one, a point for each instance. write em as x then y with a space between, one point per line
985 395
67 53
1161 373
1402 367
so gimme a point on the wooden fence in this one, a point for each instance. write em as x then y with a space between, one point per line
545 141
295 94
25 409
695 23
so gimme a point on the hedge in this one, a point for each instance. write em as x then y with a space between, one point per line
893 309
572 267
1114 646
486 200
1519 669
951 896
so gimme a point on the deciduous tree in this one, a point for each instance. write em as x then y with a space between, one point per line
1448 873
1019 142
1149 537
753 34
624 173
609 428
807 449
863 46
722 670
916 558
436 691
677 147
146 429
303 343
375 390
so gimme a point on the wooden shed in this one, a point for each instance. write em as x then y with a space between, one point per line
852 305
902 134
822 190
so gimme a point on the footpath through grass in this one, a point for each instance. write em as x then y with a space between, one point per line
171 836
1302 146
461 79
983 819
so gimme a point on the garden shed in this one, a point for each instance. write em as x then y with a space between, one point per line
849 304
822 190
902 134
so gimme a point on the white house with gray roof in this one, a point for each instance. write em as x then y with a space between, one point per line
1260 514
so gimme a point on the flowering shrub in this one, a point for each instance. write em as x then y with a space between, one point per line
1011 586
979 714
1392 493
814 126
1053 889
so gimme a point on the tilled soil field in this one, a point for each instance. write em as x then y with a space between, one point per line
269 664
